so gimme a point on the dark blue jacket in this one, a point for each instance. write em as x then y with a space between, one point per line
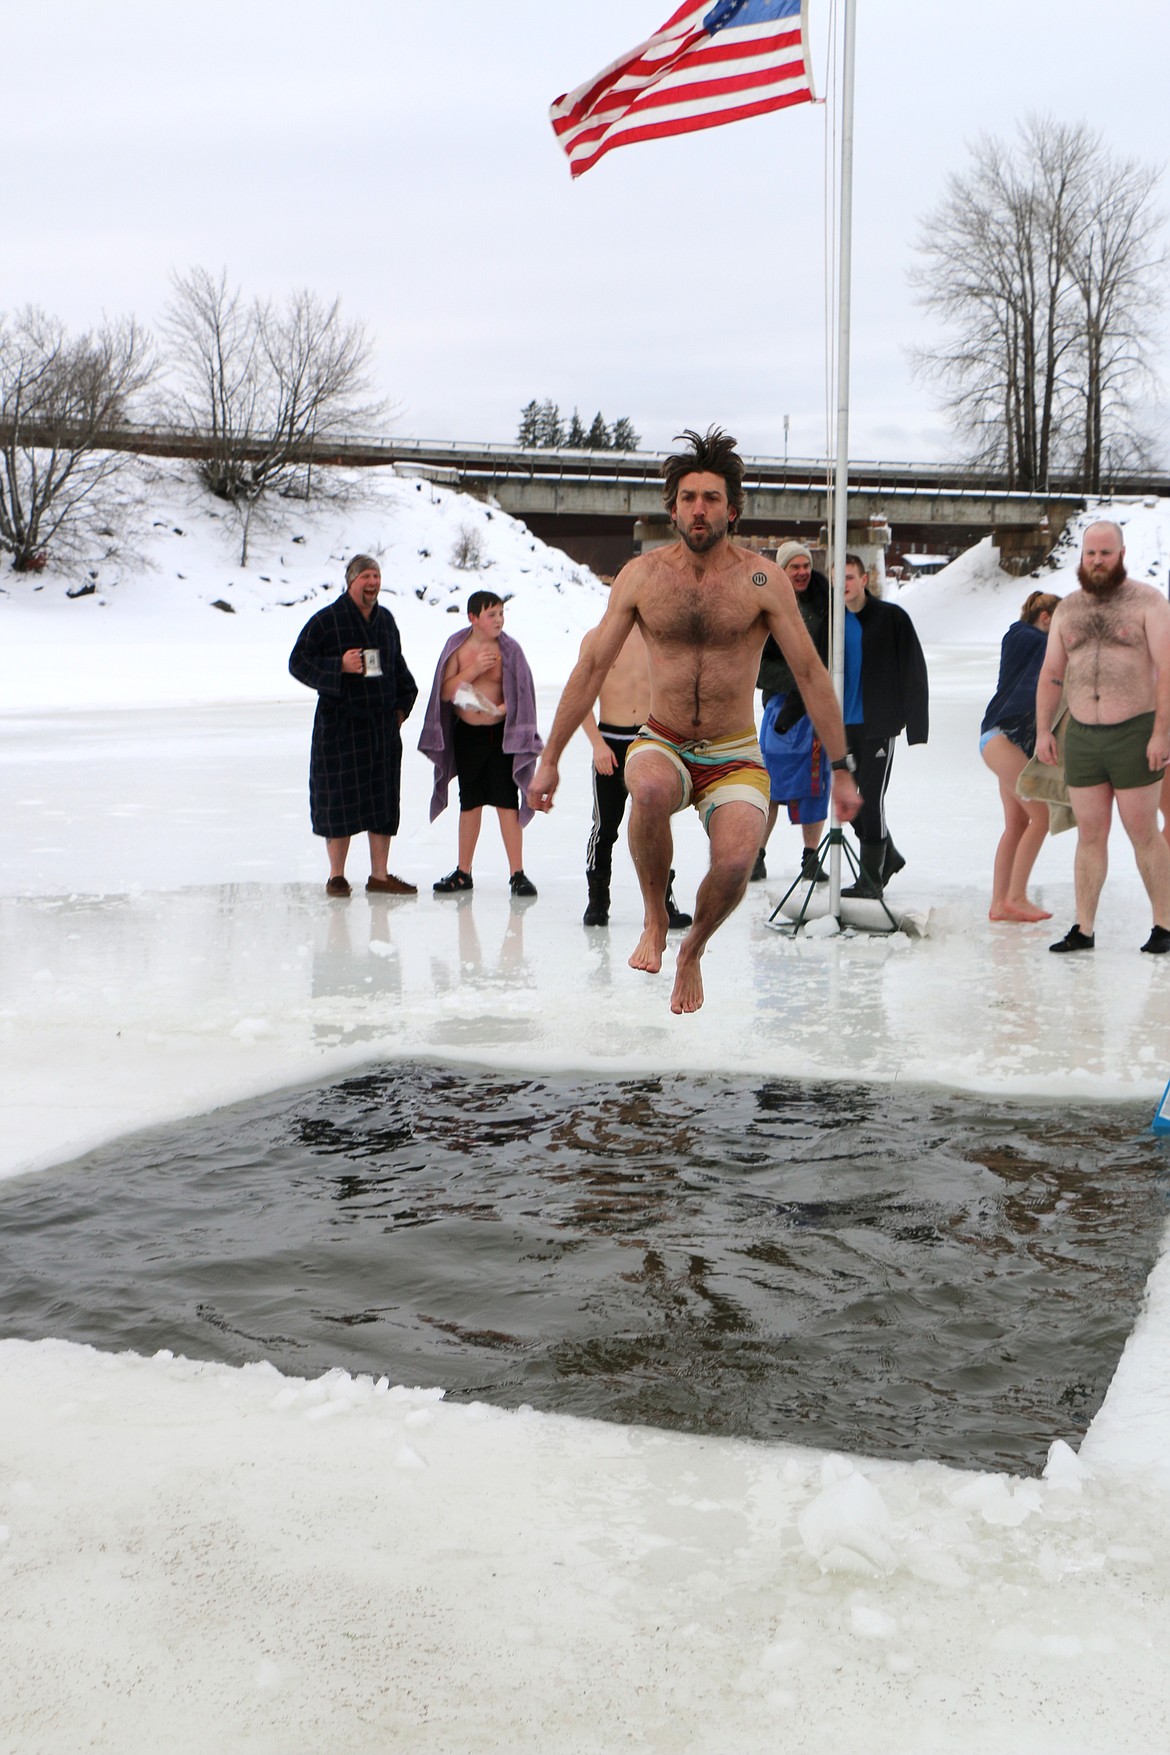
1021 658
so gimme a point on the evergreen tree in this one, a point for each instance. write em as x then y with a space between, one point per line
624 438
529 432
575 438
597 438
549 425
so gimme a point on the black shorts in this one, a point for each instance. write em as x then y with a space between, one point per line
483 767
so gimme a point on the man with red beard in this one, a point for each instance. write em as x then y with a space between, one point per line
1109 644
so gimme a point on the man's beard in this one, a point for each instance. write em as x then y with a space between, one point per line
1101 587
706 539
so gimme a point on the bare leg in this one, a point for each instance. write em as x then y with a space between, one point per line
1164 806
812 834
337 847
770 822
1137 807
655 791
379 854
1093 809
513 838
734 833
1024 832
469 826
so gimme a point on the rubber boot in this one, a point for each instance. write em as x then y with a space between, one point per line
597 913
893 862
869 881
675 918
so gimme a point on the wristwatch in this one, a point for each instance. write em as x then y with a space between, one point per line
846 761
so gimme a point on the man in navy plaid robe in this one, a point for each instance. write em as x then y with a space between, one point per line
351 654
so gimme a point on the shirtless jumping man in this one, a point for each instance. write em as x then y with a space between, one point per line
704 606
1110 645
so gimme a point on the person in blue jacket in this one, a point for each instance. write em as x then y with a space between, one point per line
1007 738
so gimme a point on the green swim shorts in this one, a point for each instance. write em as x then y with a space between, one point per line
1110 755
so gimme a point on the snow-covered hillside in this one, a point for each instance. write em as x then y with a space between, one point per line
974 599
184 622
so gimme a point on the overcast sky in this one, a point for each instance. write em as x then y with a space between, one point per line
399 153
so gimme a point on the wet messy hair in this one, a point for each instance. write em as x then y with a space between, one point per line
481 600
715 454
1035 605
359 564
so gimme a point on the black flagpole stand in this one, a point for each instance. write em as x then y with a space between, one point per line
835 837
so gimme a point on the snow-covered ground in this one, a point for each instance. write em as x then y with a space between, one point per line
200 1558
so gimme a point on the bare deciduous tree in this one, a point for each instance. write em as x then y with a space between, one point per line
265 385
60 396
1117 269
1042 263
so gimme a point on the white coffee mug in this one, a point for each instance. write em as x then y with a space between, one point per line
371 661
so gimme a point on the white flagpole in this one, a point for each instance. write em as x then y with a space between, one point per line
841 471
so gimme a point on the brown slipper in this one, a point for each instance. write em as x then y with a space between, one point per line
390 886
338 886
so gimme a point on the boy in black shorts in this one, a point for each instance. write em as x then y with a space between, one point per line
481 729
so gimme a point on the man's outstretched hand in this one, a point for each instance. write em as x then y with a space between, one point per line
544 784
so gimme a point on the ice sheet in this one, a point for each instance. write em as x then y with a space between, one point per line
195 1558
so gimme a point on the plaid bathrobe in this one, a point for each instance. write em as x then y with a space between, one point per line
355 768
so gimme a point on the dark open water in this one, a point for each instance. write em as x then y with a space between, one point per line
887 1271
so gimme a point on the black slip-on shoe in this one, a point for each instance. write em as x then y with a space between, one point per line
1074 940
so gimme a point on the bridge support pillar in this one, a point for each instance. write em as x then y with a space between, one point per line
1023 549
869 540
652 533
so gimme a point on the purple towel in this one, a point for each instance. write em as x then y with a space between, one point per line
522 741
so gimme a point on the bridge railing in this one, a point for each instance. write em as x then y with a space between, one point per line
482 460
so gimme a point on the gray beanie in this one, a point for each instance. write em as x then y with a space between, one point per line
360 564
789 550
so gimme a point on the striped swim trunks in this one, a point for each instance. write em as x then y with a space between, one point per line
711 771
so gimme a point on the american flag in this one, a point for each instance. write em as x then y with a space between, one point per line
708 64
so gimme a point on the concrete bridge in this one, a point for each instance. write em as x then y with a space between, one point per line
601 507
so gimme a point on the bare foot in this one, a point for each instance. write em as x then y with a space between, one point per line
688 987
1026 910
647 954
1019 912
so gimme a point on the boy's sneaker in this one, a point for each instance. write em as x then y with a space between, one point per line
454 882
519 884
759 869
1158 941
